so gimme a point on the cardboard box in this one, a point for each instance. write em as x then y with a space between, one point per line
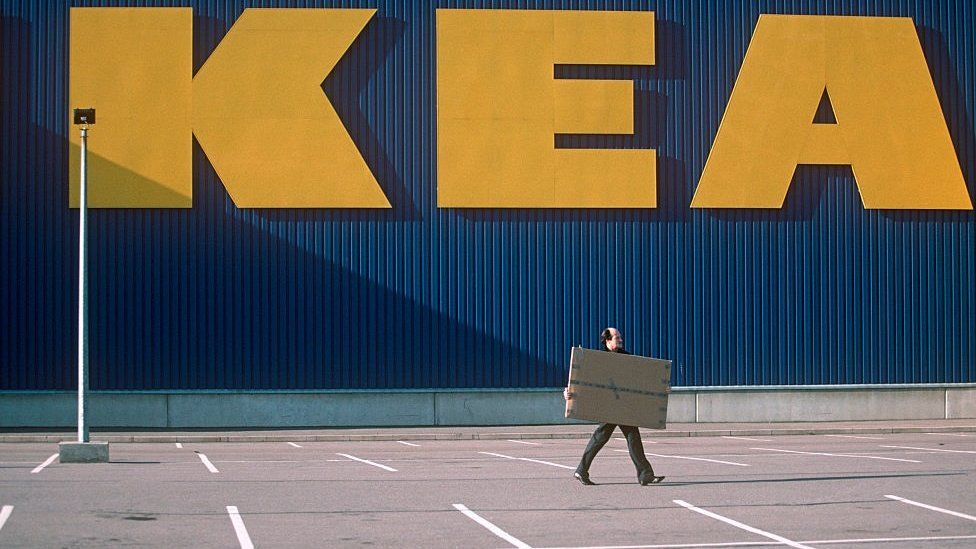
618 388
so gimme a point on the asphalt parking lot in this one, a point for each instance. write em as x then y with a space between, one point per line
824 490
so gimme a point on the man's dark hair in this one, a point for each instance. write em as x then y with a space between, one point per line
605 336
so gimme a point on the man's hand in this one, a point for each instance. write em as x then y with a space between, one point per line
567 394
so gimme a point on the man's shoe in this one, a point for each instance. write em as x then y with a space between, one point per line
652 480
585 479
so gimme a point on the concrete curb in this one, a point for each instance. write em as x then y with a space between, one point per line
215 411
361 437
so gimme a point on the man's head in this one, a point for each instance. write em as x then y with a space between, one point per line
612 339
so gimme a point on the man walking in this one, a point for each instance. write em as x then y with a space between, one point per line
612 341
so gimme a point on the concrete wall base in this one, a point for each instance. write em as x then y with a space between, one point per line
83 452
278 409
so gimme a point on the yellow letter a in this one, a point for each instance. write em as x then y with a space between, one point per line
890 128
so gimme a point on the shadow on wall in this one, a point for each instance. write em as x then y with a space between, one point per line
344 87
203 299
38 234
123 184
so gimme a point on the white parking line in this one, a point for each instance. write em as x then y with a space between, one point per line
368 462
239 528
747 438
947 434
408 443
523 442
5 514
694 459
178 445
887 540
492 528
645 441
855 436
279 460
210 466
932 507
738 524
930 449
671 545
764 543
834 455
293 444
528 459
47 462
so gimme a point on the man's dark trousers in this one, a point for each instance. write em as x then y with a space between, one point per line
600 437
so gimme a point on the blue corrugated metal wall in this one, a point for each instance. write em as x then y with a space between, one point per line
214 297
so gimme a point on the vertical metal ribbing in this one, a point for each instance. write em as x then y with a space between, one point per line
215 297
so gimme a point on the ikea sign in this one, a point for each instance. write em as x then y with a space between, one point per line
257 108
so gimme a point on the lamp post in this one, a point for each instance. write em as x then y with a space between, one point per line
83 451
83 286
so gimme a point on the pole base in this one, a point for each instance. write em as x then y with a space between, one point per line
83 452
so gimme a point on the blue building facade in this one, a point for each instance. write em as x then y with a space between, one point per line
215 297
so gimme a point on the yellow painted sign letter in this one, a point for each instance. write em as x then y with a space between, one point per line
267 127
889 126
134 66
256 106
499 108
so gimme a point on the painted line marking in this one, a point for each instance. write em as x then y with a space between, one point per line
491 527
738 524
277 460
947 434
5 514
764 543
529 459
405 443
856 436
932 508
523 442
930 449
47 462
834 455
695 459
645 441
206 462
239 528
178 445
879 540
747 438
368 462
293 444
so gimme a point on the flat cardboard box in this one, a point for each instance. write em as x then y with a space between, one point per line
618 388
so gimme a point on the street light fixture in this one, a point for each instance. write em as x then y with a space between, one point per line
83 451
